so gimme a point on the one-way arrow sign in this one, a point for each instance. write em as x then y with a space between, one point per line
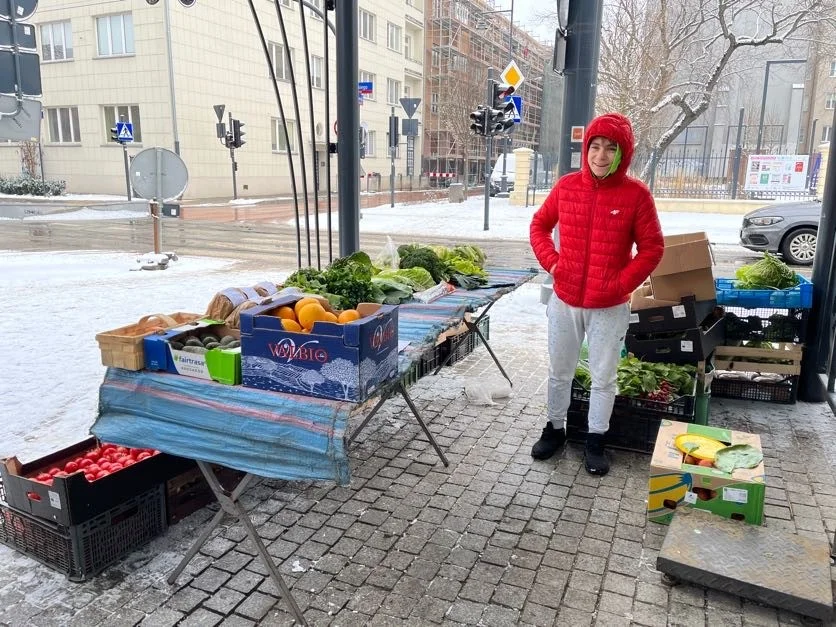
410 105
219 111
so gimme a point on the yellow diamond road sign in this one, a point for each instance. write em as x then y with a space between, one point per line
512 75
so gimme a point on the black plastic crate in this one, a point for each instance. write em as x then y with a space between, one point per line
768 325
82 551
678 347
467 345
630 429
681 408
784 391
688 314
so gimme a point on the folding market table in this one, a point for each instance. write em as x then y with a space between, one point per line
272 434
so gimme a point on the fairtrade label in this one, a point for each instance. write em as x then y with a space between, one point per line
678 311
735 495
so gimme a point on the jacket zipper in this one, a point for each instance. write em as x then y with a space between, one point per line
589 246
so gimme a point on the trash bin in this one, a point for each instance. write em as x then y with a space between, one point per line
171 210
456 192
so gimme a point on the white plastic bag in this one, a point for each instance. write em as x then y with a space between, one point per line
388 257
484 391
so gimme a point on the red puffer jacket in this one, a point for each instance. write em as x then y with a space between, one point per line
598 222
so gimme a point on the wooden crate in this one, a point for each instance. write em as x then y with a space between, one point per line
744 359
122 347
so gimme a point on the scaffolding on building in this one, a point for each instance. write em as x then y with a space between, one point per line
463 38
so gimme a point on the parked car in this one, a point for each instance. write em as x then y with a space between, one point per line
786 228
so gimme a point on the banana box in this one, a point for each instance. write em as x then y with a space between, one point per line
678 479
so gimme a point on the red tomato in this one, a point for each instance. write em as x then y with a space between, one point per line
104 465
53 471
92 455
143 455
71 467
129 462
101 474
92 468
89 476
43 477
114 467
108 450
85 463
122 450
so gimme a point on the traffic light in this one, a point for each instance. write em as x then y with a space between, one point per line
114 134
238 133
502 113
479 118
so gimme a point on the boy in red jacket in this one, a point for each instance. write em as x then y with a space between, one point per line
600 213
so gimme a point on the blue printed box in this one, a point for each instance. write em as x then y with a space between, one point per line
346 362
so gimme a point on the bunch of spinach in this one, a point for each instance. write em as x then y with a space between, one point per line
637 378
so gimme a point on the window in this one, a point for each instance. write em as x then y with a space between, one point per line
63 125
129 113
833 69
436 58
280 140
830 102
461 12
434 103
393 91
407 91
287 3
407 46
825 133
367 26
316 71
318 4
371 142
368 77
279 60
115 35
393 37
57 41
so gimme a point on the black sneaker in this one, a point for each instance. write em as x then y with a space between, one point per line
595 459
549 443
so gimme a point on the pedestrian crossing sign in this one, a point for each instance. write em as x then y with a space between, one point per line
125 131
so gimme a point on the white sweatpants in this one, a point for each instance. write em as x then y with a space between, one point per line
605 330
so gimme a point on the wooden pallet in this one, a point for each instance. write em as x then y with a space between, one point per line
740 359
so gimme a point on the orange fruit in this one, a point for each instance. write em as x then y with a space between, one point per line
329 317
348 315
311 313
301 303
286 313
291 325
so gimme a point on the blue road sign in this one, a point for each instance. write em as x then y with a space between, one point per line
125 131
517 100
365 87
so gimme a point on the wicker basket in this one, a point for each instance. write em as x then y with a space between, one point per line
122 347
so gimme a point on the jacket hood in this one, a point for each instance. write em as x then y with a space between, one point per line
617 128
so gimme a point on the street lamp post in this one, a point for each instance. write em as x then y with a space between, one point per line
763 99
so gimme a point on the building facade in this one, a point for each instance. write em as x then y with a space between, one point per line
163 67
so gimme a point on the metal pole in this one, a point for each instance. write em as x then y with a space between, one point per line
810 152
234 166
348 113
171 92
763 108
392 148
820 325
503 186
737 151
41 156
127 170
579 88
156 207
488 150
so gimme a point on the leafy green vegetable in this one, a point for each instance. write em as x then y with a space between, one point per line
418 278
729 458
768 273
460 265
645 379
414 255
346 282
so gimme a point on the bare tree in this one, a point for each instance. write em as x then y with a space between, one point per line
29 158
460 94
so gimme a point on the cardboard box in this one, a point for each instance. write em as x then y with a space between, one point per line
685 269
346 362
72 500
673 484
217 364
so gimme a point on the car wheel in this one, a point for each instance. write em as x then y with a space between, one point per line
799 247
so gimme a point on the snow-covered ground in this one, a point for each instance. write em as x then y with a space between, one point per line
66 197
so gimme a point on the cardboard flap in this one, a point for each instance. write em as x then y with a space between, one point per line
683 253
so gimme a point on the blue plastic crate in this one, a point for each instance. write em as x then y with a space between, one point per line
798 297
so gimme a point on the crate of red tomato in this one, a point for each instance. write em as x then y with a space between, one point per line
81 481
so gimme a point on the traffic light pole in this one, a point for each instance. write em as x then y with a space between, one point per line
488 151
127 170
393 146
234 165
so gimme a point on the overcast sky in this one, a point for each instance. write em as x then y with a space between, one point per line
524 16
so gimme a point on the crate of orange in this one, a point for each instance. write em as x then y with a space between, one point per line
301 345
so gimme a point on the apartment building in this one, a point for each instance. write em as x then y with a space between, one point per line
163 67
464 38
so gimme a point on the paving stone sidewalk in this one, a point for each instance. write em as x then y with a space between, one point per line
495 539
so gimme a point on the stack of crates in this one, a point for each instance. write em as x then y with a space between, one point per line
765 335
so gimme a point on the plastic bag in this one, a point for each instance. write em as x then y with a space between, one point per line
484 391
388 257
